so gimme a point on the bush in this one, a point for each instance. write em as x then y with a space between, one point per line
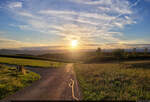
118 53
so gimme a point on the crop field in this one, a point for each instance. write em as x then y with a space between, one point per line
30 62
11 80
114 81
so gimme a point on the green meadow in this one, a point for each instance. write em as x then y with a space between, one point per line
30 62
114 81
11 80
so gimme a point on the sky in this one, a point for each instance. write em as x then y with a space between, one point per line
53 24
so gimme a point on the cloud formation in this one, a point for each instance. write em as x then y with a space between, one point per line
96 21
15 5
9 44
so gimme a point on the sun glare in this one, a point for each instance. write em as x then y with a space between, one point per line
74 43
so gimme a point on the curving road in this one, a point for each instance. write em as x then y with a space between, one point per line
54 85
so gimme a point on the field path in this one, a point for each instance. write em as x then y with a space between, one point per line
54 85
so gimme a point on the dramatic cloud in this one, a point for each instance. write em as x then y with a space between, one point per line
8 43
15 5
97 21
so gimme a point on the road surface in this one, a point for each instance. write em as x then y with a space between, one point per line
53 85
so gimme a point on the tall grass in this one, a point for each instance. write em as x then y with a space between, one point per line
124 81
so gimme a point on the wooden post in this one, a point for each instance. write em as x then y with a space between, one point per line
21 69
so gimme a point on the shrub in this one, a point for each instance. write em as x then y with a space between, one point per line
118 53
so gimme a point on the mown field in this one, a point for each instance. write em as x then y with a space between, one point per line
114 81
11 80
30 62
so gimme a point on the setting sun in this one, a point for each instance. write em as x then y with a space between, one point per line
74 43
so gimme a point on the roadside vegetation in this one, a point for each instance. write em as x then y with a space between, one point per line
114 81
116 55
30 62
11 80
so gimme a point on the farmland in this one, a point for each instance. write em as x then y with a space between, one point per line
114 81
11 80
30 62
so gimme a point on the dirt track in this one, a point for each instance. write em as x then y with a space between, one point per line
54 85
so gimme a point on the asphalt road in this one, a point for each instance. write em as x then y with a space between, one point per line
53 85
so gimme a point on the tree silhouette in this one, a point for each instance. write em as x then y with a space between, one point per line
145 51
98 51
118 53
134 51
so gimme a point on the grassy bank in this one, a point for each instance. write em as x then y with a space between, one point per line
11 80
30 62
123 81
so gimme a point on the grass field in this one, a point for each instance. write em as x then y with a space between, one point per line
30 62
11 80
122 81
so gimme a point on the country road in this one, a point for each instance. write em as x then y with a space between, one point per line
53 85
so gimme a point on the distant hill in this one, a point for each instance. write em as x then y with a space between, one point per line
36 52
32 52
40 52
